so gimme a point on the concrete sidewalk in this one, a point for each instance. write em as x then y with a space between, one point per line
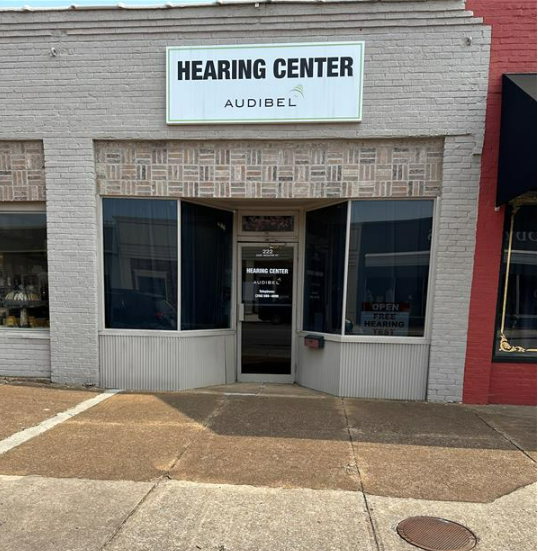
267 467
24 405
86 515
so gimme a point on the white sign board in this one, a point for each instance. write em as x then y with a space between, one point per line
265 83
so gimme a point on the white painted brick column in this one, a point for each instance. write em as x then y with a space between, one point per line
72 255
454 269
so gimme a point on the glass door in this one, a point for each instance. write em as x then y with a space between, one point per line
266 312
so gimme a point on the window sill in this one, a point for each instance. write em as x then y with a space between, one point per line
514 359
367 339
165 333
25 333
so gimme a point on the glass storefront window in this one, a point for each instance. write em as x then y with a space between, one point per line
140 264
324 269
516 313
23 270
389 260
206 267
387 266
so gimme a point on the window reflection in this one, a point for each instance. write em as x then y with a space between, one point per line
516 319
140 246
389 259
206 267
324 269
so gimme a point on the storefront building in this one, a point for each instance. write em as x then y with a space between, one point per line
501 347
186 199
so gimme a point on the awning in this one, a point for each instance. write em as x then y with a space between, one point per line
517 153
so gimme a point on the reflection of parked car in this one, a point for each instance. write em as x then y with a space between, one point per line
275 312
130 309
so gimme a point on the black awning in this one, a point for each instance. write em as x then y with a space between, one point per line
517 153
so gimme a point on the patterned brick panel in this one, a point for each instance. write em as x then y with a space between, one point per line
22 174
305 169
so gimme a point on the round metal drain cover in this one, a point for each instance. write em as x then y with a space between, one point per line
436 534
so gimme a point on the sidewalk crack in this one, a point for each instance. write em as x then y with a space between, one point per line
165 476
378 544
205 425
505 436
131 513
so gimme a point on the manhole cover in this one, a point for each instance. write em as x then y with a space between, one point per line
436 534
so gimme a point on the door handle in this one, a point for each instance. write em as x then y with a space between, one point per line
241 312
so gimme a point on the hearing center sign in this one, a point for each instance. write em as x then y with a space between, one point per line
265 83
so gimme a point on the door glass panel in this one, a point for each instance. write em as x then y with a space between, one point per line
267 296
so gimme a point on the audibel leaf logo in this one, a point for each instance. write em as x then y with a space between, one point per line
299 89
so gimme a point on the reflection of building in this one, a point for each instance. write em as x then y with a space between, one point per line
143 260
390 261
140 265
516 316
501 350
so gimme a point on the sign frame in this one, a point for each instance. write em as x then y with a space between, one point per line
358 118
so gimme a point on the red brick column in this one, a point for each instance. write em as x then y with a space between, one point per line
513 50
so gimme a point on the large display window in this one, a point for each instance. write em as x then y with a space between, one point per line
369 260
515 338
23 271
388 267
142 255
168 265
140 264
206 267
325 244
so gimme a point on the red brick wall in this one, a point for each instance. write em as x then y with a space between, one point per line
513 50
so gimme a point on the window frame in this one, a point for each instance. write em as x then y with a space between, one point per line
387 339
102 329
28 207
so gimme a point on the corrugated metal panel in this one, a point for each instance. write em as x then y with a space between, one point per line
319 369
394 371
23 356
158 362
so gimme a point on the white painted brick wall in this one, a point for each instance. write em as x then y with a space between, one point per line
454 268
72 257
22 356
107 83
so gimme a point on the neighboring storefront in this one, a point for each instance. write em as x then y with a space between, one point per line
185 203
501 349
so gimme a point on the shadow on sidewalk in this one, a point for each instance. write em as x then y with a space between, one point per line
286 436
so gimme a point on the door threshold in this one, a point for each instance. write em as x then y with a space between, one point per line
269 379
